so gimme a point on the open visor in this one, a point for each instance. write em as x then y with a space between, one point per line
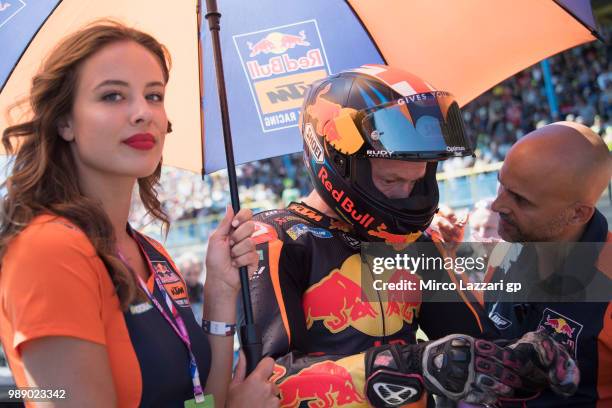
424 126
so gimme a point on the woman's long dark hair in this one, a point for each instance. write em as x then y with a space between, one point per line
44 178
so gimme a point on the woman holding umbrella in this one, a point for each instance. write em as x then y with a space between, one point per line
94 313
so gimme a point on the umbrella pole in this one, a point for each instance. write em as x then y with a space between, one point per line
249 333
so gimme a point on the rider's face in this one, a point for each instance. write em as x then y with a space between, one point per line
396 178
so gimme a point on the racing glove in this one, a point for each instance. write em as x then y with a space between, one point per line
460 367
543 356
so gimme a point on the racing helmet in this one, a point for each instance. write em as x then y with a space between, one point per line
376 111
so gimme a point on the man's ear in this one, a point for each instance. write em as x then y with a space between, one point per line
581 213
65 130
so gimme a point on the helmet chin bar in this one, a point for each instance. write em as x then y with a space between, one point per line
363 205
423 196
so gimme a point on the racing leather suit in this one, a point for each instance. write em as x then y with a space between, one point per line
315 321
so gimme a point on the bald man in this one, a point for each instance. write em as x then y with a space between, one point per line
550 183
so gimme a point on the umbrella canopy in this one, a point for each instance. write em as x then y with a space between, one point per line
29 30
273 49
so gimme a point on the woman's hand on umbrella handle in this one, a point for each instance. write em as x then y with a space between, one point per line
230 247
256 390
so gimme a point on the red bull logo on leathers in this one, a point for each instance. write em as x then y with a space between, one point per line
340 301
337 301
322 385
563 329
279 64
404 303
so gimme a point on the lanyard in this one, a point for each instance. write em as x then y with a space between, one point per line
176 322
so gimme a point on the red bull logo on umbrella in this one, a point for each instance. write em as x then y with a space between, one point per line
277 43
561 328
279 64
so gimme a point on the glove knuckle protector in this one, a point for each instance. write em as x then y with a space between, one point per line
393 375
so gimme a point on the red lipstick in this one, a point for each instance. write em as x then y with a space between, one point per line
141 141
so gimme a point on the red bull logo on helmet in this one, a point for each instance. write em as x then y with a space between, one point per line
279 64
345 202
563 329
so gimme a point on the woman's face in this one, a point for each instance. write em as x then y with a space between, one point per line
118 122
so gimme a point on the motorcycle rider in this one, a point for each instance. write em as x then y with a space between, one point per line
372 140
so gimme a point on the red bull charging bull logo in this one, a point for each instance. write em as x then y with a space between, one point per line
277 43
322 385
163 272
279 64
403 303
559 325
561 328
339 301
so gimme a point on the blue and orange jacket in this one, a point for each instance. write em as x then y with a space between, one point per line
585 327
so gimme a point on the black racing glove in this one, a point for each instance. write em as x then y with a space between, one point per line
460 367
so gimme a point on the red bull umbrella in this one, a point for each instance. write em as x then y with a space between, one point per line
274 49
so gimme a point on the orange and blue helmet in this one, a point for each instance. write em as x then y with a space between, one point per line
377 111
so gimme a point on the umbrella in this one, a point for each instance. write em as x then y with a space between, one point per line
273 49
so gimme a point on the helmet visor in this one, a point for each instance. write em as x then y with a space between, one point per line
425 126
